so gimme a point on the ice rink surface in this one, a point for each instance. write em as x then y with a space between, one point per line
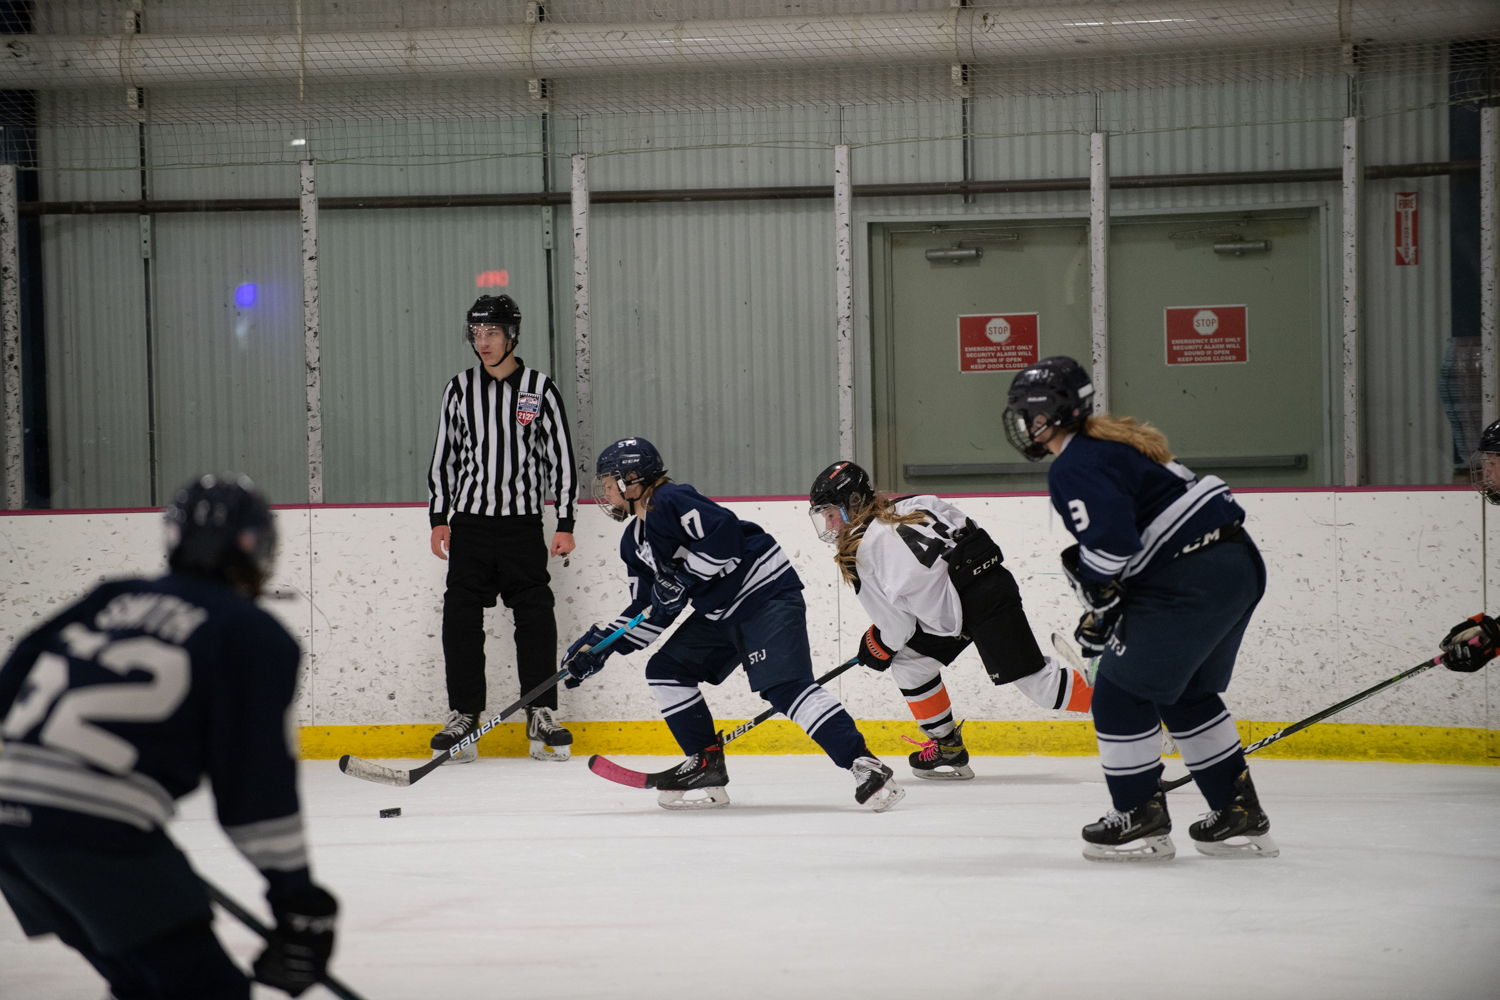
515 878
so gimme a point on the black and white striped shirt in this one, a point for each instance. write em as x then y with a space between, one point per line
500 445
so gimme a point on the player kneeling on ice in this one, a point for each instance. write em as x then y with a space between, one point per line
932 582
123 703
747 608
1169 579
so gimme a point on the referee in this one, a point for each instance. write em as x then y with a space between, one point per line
502 439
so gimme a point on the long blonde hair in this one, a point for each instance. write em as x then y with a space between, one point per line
1127 430
880 507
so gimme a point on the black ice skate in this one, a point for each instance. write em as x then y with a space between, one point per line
459 725
875 784
549 741
1142 834
941 759
704 772
1240 830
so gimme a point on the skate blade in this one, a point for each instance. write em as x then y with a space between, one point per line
1247 847
1158 848
467 755
961 773
889 794
715 797
542 751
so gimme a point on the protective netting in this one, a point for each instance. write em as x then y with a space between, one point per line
275 81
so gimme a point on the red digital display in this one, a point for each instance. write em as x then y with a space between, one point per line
492 279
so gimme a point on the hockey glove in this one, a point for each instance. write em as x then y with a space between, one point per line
298 949
1102 603
580 658
668 595
872 652
973 555
1471 644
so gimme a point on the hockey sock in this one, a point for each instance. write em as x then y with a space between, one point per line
1209 743
1129 732
821 716
930 706
682 705
1056 687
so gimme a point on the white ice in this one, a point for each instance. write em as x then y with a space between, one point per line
514 878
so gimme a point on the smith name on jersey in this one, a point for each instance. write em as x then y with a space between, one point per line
122 703
731 567
1129 512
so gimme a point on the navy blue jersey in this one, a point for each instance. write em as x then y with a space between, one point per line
1129 512
122 704
731 567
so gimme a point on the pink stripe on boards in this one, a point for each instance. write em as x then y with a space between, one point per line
606 768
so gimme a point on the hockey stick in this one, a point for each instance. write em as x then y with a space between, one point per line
1297 727
357 768
608 769
249 919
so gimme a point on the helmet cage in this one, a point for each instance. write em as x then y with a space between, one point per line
1484 474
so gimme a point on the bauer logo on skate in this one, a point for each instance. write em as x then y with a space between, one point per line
528 405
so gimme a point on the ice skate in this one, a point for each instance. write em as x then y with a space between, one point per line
941 759
1142 834
1240 830
875 784
704 772
459 725
549 741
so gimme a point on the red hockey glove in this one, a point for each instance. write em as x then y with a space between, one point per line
872 652
1471 644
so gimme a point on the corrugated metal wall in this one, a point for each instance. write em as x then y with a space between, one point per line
712 322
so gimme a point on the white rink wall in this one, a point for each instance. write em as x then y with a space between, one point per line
1361 585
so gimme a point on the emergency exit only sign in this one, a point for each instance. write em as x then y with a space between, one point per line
1207 335
997 343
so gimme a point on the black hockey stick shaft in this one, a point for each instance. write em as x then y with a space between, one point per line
745 727
1317 717
249 919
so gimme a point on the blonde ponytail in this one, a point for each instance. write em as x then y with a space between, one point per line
879 508
1142 437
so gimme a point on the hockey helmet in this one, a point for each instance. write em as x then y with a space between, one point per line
837 490
628 462
495 310
1484 464
1055 392
221 527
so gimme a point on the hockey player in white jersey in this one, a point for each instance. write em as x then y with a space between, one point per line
932 582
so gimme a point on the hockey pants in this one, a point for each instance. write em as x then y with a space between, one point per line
772 643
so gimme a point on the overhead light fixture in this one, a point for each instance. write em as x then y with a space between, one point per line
299 142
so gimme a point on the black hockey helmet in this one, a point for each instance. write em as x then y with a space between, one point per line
495 310
1055 392
837 490
1484 464
221 527
626 463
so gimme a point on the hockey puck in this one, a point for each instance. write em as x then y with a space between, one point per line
388 813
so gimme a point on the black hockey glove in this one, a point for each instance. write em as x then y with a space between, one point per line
1102 603
297 953
1471 644
580 658
974 554
668 595
872 652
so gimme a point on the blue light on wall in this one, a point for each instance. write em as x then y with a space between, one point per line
244 296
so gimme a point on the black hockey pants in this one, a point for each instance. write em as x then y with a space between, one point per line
490 557
995 620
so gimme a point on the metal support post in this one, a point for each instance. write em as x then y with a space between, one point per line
10 345
585 413
1489 265
1353 198
1099 265
310 334
843 280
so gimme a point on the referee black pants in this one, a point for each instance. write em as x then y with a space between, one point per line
490 557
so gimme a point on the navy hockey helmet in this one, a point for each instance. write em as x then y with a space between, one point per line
626 463
221 527
1484 464
837 490
1055 392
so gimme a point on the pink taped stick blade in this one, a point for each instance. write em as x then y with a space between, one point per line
606 768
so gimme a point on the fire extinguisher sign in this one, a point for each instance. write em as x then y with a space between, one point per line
1406 228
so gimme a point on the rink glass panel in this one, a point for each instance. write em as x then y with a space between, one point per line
1270 406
